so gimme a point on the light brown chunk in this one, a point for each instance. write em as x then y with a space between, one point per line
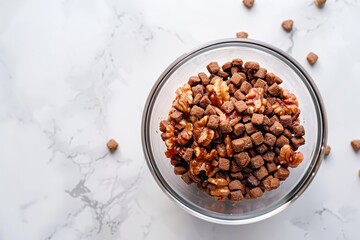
297 142
112 145
245 87
276 128
269 156
271 167
275 90
194 80
257 138
253 180
312 58
225 126
213 121
224 164
248 3
236 185
236 196
256 193
242 35
281 141
261 173
239 128
287 25
240 106
187 155
238 78
256 161
257 118
226 66
197 111
239 95
210 110
176 115
250 128
269 139
299 131
252 65
320 3
261 73
282 173
238 145
163 125
242 159
204 78
228 106
213 67
285 120
355 144
204 101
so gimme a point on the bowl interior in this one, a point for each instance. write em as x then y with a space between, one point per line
159 103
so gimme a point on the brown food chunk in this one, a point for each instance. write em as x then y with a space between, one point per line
194 80
261 84
222 74
355 144
225 126
276 128
242 35
163 125
250 128
256 161
269 156
239 95
204 78
240 106
213 121
234 167
252 65
266 183
285 120
197 99
256 193
281 141
287 133
261 148
287 25
197 111
213 67
282 173
269 139
246 118
198 89
257 138
253 180
210 110
271 167
179 170
112 145
238 145
299 131
261 173
228 106
274 183
248 3
176 115
242 159
232 88
312 58
261 73
248 142
236 185
238 78
236 196
187 156
297 142
245 87
226 66
185 177
257 118
320 3
327 150
275 90
239 129
204 101
224 164
237 175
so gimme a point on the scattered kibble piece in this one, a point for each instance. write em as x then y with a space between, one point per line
327 150
248 3
287 25
112 145
355 145
320 3
312 58
242 35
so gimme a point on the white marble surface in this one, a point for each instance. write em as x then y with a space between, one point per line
74 73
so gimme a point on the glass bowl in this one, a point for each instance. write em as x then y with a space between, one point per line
313 117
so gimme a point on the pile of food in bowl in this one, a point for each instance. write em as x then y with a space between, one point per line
235 133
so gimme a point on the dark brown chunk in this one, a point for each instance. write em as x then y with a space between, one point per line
236 185
236 196
226 66
234 167
239 95
269 139
197 111
197 99
238 78
222 74
299 131
281 141
210 110
240 106
312 58
285 120
270 78
274 183
176 115
275 90
198 89
269 156
271 167
287 133
225 126
261 73
252 65
248 3
228 106
261 173
204 101
213 121
224 164
242 35
256 161
246 118
257 138
253 180
257 118
266 182
112 145
232 88
239 129
282 173
242 159
179 170
261 84
237 175
204 78
163 125
245 87
250 128
185 177
276 128
297 142
238 145
287 25
248 142
213 67
261 148
256 193
194 80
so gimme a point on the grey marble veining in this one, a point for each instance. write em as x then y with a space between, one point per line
75 73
